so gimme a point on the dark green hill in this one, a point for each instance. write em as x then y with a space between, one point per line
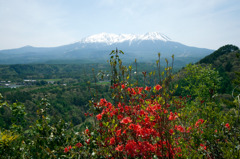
224 60
210 59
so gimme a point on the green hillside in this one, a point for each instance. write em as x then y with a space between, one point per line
216 54
127 112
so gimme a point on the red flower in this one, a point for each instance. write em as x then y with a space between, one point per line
200 121
115 85
88 141
134 127
148 88
140 90
99 117
66 150
87 131
78 145
112 141
170 117
188 129
227 126
158 87
123 86
120 117
133 92
126 120
171 131
203 146
119 148
180 128
118 133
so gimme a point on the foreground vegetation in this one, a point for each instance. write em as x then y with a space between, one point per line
153 115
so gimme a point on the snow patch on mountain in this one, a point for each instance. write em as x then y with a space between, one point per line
115 38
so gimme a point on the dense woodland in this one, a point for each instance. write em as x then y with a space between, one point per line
65 85
43 117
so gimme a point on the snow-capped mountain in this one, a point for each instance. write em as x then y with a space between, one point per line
97 47
114 38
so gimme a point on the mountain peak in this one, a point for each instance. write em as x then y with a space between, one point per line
155 36
27 46
118 38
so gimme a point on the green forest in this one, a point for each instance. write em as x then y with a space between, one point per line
122 110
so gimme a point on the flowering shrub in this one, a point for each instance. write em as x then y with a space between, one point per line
138 122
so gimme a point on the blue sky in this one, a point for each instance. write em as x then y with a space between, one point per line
201 23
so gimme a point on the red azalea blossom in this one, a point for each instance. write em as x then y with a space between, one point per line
119 148
180 128
78 145
188 129
158 87
115 85
118 133
126 120
148 88
87 131
99 117
200 121
88 141
203 146
133 92
112 141
120 117
140 90
140 117
227 126
66 150
172 116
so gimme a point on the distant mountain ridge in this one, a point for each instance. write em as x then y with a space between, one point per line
114 38
96 48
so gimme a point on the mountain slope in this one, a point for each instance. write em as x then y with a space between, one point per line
225 61
96 48
221 51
